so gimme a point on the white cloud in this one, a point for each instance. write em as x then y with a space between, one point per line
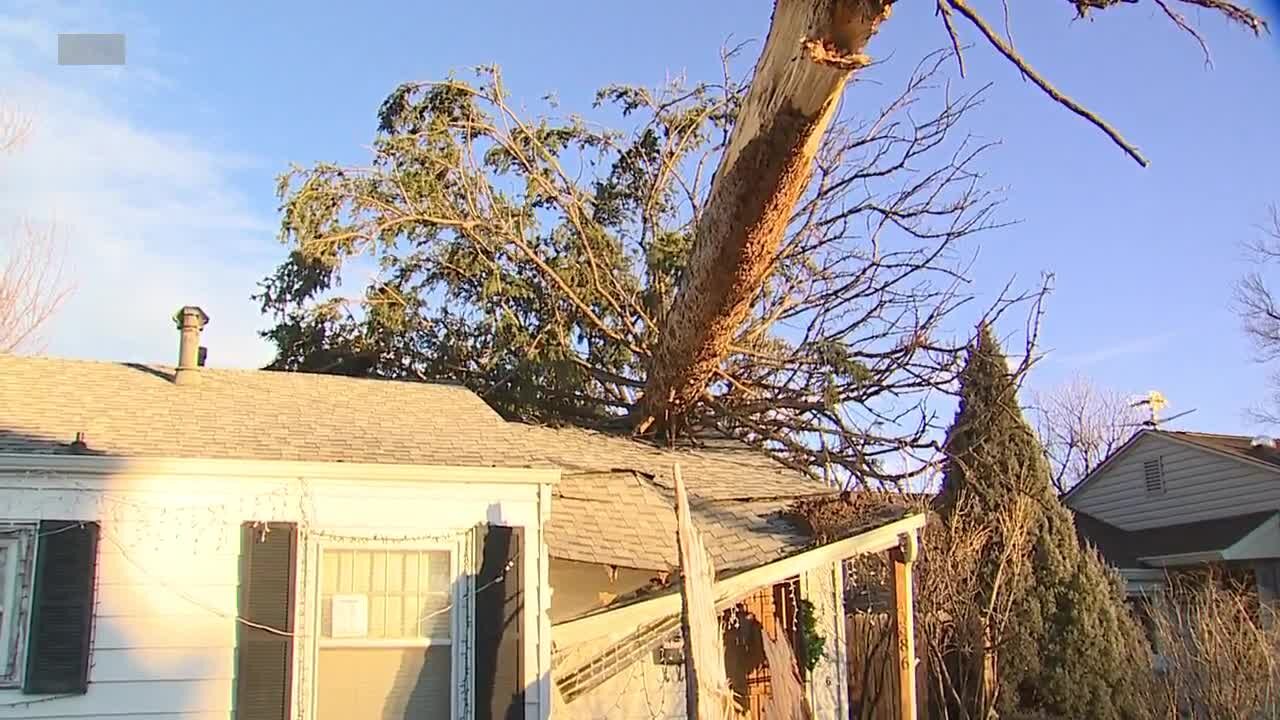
152 220
1096 356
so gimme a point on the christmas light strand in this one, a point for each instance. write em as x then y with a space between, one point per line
131 523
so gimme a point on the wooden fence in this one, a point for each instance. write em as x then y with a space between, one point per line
873 689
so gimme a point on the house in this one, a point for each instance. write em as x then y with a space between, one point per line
194 543
1169 500
218 543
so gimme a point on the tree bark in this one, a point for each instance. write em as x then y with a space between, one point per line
812 49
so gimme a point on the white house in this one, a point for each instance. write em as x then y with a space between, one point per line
194 543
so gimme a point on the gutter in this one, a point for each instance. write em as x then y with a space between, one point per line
1184 559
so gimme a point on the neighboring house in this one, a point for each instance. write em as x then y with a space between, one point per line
1167 501
199 543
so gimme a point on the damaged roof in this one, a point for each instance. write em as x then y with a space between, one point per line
1237 445
615 504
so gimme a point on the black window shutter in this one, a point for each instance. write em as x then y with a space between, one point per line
264 659
499 678
62 608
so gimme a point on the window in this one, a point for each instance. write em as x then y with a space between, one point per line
15 595
1153 476
386 645
387 595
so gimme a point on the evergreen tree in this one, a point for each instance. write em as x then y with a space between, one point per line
1059 635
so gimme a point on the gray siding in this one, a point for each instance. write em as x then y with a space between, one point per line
1199 485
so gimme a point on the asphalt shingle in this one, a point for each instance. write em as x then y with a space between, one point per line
137 411
620 493
1238 445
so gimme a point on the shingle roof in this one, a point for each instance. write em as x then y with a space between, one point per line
1125 548
615 502
137 411
1238 445
720 471
622 518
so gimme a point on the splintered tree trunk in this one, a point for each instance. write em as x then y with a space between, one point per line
812 48
707 693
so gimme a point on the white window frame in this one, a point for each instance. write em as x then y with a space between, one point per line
457 595
325 642
18 539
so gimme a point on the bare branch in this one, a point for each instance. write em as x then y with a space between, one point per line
1040 81
32 286
944 9
15 127
1080 425
1181 22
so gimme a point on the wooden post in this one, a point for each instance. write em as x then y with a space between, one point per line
902 558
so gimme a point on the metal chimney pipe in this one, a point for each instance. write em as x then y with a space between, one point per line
190 320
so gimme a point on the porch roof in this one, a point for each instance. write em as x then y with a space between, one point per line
1207 540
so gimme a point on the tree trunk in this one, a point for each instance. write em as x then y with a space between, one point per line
812 49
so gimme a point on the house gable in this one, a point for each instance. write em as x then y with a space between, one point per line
1158 479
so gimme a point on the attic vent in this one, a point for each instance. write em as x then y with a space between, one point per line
1153 476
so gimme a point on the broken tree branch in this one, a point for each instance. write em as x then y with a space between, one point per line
1049 89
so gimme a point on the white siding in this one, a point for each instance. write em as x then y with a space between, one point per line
1199 485
828 683
168 571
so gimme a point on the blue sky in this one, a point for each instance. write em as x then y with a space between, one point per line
160 175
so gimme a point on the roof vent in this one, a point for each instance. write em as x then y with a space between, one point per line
1153 476
1262 441
190 321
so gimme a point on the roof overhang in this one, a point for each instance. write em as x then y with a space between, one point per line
117 467
1183 559
1260 543
728 590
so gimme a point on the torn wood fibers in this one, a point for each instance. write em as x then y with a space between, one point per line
812 49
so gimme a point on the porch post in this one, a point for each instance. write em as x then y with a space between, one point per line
902 558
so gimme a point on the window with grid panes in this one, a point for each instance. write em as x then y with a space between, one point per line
386 647
402 594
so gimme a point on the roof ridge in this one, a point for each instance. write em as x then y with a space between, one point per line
129 364
1234 436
